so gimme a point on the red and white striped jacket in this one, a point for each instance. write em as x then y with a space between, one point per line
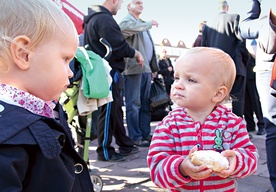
177 134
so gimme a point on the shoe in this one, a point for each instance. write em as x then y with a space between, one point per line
142 143
250 129
261 131
250 136
115 157
148 138
132 151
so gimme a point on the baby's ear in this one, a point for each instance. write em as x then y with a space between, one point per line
19 52
220 94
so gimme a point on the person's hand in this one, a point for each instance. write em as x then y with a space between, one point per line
154 23
139 58
170 69
231 156
187 168
153 75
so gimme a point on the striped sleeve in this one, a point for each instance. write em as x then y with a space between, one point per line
246 151
165 156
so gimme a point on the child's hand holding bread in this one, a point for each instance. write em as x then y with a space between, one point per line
201 164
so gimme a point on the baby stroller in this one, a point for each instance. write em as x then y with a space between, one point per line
82 131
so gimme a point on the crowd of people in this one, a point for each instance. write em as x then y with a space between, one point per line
138 79
263 29
200 120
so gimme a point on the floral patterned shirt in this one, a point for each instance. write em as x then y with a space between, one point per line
27 101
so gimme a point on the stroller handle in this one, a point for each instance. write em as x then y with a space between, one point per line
108 48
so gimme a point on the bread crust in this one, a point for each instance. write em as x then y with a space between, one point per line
211 159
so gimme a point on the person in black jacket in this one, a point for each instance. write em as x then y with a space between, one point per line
166 70
223 33
36 147
99 23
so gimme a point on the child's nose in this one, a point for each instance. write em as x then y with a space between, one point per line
70 73
178 85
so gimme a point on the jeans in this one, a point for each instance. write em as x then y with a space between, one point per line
138 115
268 103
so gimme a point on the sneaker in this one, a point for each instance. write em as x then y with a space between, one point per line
261 131
142 143
115 157
132 151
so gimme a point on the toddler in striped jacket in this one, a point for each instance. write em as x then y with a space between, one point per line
203 80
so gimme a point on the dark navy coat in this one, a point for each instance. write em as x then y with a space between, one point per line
37 153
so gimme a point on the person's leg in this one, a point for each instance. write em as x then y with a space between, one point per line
268 103
133 105
145 114
125 144
168 88
248 109
106 125
238 93
104 149
270 148
256 104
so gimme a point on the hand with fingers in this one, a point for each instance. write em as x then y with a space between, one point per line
231 157
187 168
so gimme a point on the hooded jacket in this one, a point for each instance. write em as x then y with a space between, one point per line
178 133
37 153
99 23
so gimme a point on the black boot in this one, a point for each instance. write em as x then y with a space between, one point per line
261 131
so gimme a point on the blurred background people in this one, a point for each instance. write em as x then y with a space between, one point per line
223 33
166 70
252 103
197 42
99 23
137 78
263 30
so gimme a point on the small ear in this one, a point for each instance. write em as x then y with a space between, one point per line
19 52
220 94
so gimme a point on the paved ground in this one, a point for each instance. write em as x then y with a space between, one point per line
133 174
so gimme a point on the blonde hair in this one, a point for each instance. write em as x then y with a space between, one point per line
223 67
36 19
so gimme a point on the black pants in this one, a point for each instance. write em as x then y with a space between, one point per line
110 121
252 104
238 95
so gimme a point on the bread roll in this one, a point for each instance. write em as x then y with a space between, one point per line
211 159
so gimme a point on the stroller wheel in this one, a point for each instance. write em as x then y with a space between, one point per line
97 183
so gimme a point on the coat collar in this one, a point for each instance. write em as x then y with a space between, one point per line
20 126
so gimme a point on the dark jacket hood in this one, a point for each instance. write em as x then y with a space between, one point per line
94 10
